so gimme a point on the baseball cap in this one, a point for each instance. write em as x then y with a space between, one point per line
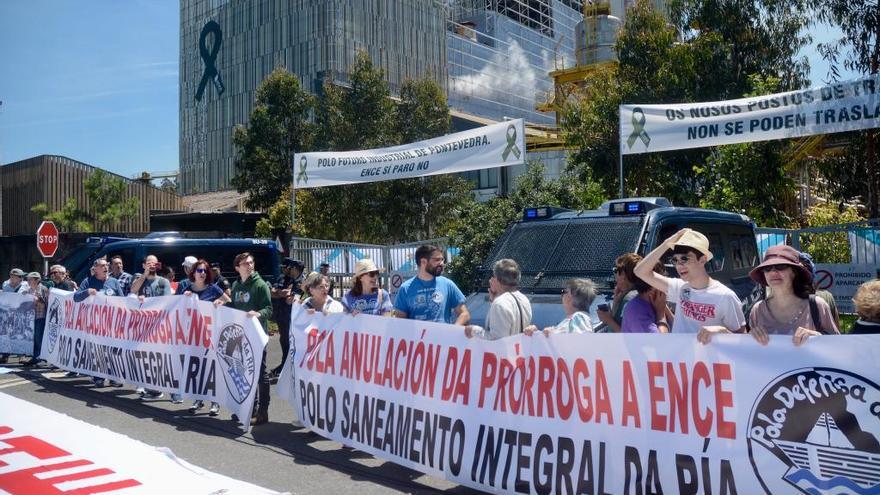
35 275
18 272
695 240
290 262
189 261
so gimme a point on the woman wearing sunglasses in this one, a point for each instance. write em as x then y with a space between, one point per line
790 307
202 284
317 286
365 295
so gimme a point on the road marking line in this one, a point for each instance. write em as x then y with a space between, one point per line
13 383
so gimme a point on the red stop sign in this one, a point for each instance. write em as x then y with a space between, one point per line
47 239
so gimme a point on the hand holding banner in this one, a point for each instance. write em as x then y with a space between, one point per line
596 413
172 344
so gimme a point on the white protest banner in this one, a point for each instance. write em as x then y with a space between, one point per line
16 323
845 106
596 413
172 344
496 145
843 280
50 453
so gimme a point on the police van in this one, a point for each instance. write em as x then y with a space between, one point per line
171 249
553 245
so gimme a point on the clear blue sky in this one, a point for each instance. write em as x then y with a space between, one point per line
97 81
94 80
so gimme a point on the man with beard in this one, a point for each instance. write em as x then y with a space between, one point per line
430 296
148 283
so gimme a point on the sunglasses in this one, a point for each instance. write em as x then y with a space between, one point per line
774 268
680 260
201 270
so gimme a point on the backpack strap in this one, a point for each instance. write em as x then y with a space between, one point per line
522 325
814 314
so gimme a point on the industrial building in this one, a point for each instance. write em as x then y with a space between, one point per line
493 57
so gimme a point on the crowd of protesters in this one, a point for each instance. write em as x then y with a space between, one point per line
639 304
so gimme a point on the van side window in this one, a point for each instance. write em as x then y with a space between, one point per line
744 251
717 248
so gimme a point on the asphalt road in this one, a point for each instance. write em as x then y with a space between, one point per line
276 455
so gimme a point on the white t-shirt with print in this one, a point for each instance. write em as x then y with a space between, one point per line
697 308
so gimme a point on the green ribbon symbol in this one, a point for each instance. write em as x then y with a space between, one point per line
302 176
638 129
511 144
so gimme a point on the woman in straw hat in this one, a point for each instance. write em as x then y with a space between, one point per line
791 308
317 286
365 295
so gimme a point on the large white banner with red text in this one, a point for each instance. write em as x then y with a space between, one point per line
596 413
172 344
43 452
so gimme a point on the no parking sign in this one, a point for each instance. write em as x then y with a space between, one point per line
824 279
396 279
843 280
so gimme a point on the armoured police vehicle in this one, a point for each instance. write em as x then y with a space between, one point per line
553 245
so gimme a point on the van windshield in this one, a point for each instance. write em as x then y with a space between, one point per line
551 252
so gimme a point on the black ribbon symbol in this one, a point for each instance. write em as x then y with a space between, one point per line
210 73
638 129
302 176
511 144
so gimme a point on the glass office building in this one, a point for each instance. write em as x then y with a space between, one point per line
492 57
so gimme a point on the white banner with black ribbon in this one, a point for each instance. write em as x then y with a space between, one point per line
497 145
845 106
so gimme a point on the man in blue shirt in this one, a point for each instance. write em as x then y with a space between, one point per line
430 296
99 282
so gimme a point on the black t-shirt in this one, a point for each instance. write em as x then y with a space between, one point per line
862 327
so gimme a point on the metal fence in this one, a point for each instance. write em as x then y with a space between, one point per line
853 243
342 257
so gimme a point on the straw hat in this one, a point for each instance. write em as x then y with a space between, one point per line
363 267
695 240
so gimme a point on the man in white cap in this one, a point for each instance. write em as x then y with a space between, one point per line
703 305
187 265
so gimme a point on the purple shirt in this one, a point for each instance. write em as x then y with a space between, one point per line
639 317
